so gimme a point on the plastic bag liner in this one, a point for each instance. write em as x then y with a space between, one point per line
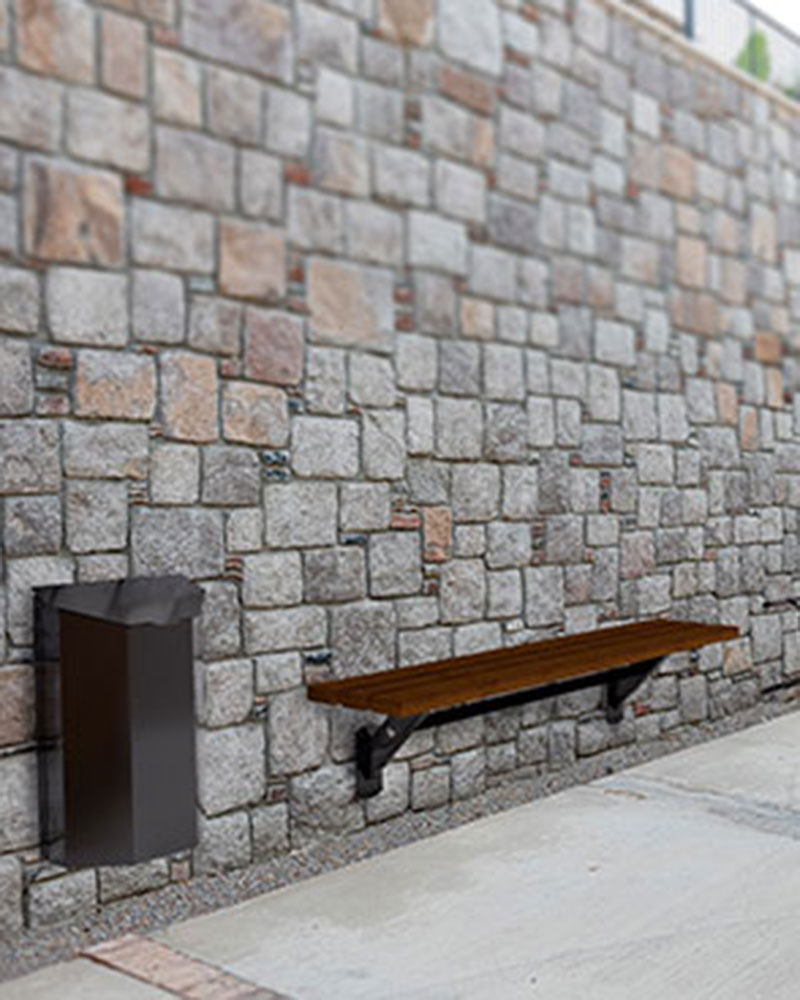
144 600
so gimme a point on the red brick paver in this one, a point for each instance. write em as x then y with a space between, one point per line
161 966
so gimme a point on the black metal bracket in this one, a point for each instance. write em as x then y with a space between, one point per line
622 685
376 747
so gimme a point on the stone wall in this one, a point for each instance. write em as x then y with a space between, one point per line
409 328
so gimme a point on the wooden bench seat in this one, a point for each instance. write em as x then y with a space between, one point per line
618 656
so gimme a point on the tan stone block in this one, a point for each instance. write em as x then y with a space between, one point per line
274 346
255 414
124 52
341 163
17 704
677 173
252 260
737 658
734 281
694 312
176 88
350 305
56 37
484 144
768 347
477 319
189 396
774 378
763 233
692 258
467 89
410 22
748 428
115 384
437 533
727 403
73 215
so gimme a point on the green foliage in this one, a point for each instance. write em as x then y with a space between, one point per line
754 57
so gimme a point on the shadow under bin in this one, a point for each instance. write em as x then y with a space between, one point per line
115 710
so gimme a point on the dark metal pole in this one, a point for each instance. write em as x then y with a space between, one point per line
688 18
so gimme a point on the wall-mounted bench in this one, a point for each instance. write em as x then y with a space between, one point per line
619 657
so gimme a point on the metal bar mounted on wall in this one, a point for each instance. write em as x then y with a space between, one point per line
688 18
375 747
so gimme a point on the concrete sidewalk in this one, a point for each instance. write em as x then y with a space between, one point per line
678 880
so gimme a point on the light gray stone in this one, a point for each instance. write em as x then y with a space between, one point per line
19 808
231 476
225 692
325 447
437 243
363 638
177 540
463 590
334 574
475 492
459 428
393 799
87 307
175 474
19 300
16 378
430 788
298 733
384 444
544 595
278 672
11 921
468 774
231 767
395 564
272 580
284 629
270 830
32 526
121 881
365 506
68 897
219 631
105 451
300 514
223 843
22 575
96 515
324 800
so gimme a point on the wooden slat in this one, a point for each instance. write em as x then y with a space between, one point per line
448 683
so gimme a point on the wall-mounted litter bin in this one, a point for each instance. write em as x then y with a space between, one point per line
115 697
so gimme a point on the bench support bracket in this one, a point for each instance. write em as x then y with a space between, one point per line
374 750
622 685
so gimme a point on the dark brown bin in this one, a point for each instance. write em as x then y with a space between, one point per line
116 719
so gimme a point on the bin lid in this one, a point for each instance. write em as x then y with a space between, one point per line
143 600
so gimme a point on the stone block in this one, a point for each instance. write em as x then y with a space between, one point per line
255 414
18 802
194 168
504 596
73 215
30 109
693 693
177 540
325 447
56 39
287 628
255 35
261 184
11 921
371 380
244 530
335 102
17 704
288 123
459 368
475 492
410 22
16 378
437 243
541 422
225 692
231 767
176 88
395 564
124 55
509 544
324 800
334 575
270 830
615 344
520 492
30 452
32 527
503 376
463 591
363 637
278 672
350 306
219 628
272 580
106 129
340 163
22 576
401 176
365 506
393 799
544 595
96 515
87 307
604 394
384 446
273 346
252 260
223 843
178 239
316 220
122 881
175 474
374 234
470 33
231 476
419 425
71 897
459 428
19 301
430 788
234 105
189 396
159 311
298 733
301 514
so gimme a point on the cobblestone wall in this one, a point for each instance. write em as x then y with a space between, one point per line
409 328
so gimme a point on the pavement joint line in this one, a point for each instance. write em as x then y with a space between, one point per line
764 816
163 967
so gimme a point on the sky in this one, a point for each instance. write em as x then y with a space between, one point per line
785 11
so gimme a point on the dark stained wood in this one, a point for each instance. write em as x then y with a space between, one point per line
465 679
